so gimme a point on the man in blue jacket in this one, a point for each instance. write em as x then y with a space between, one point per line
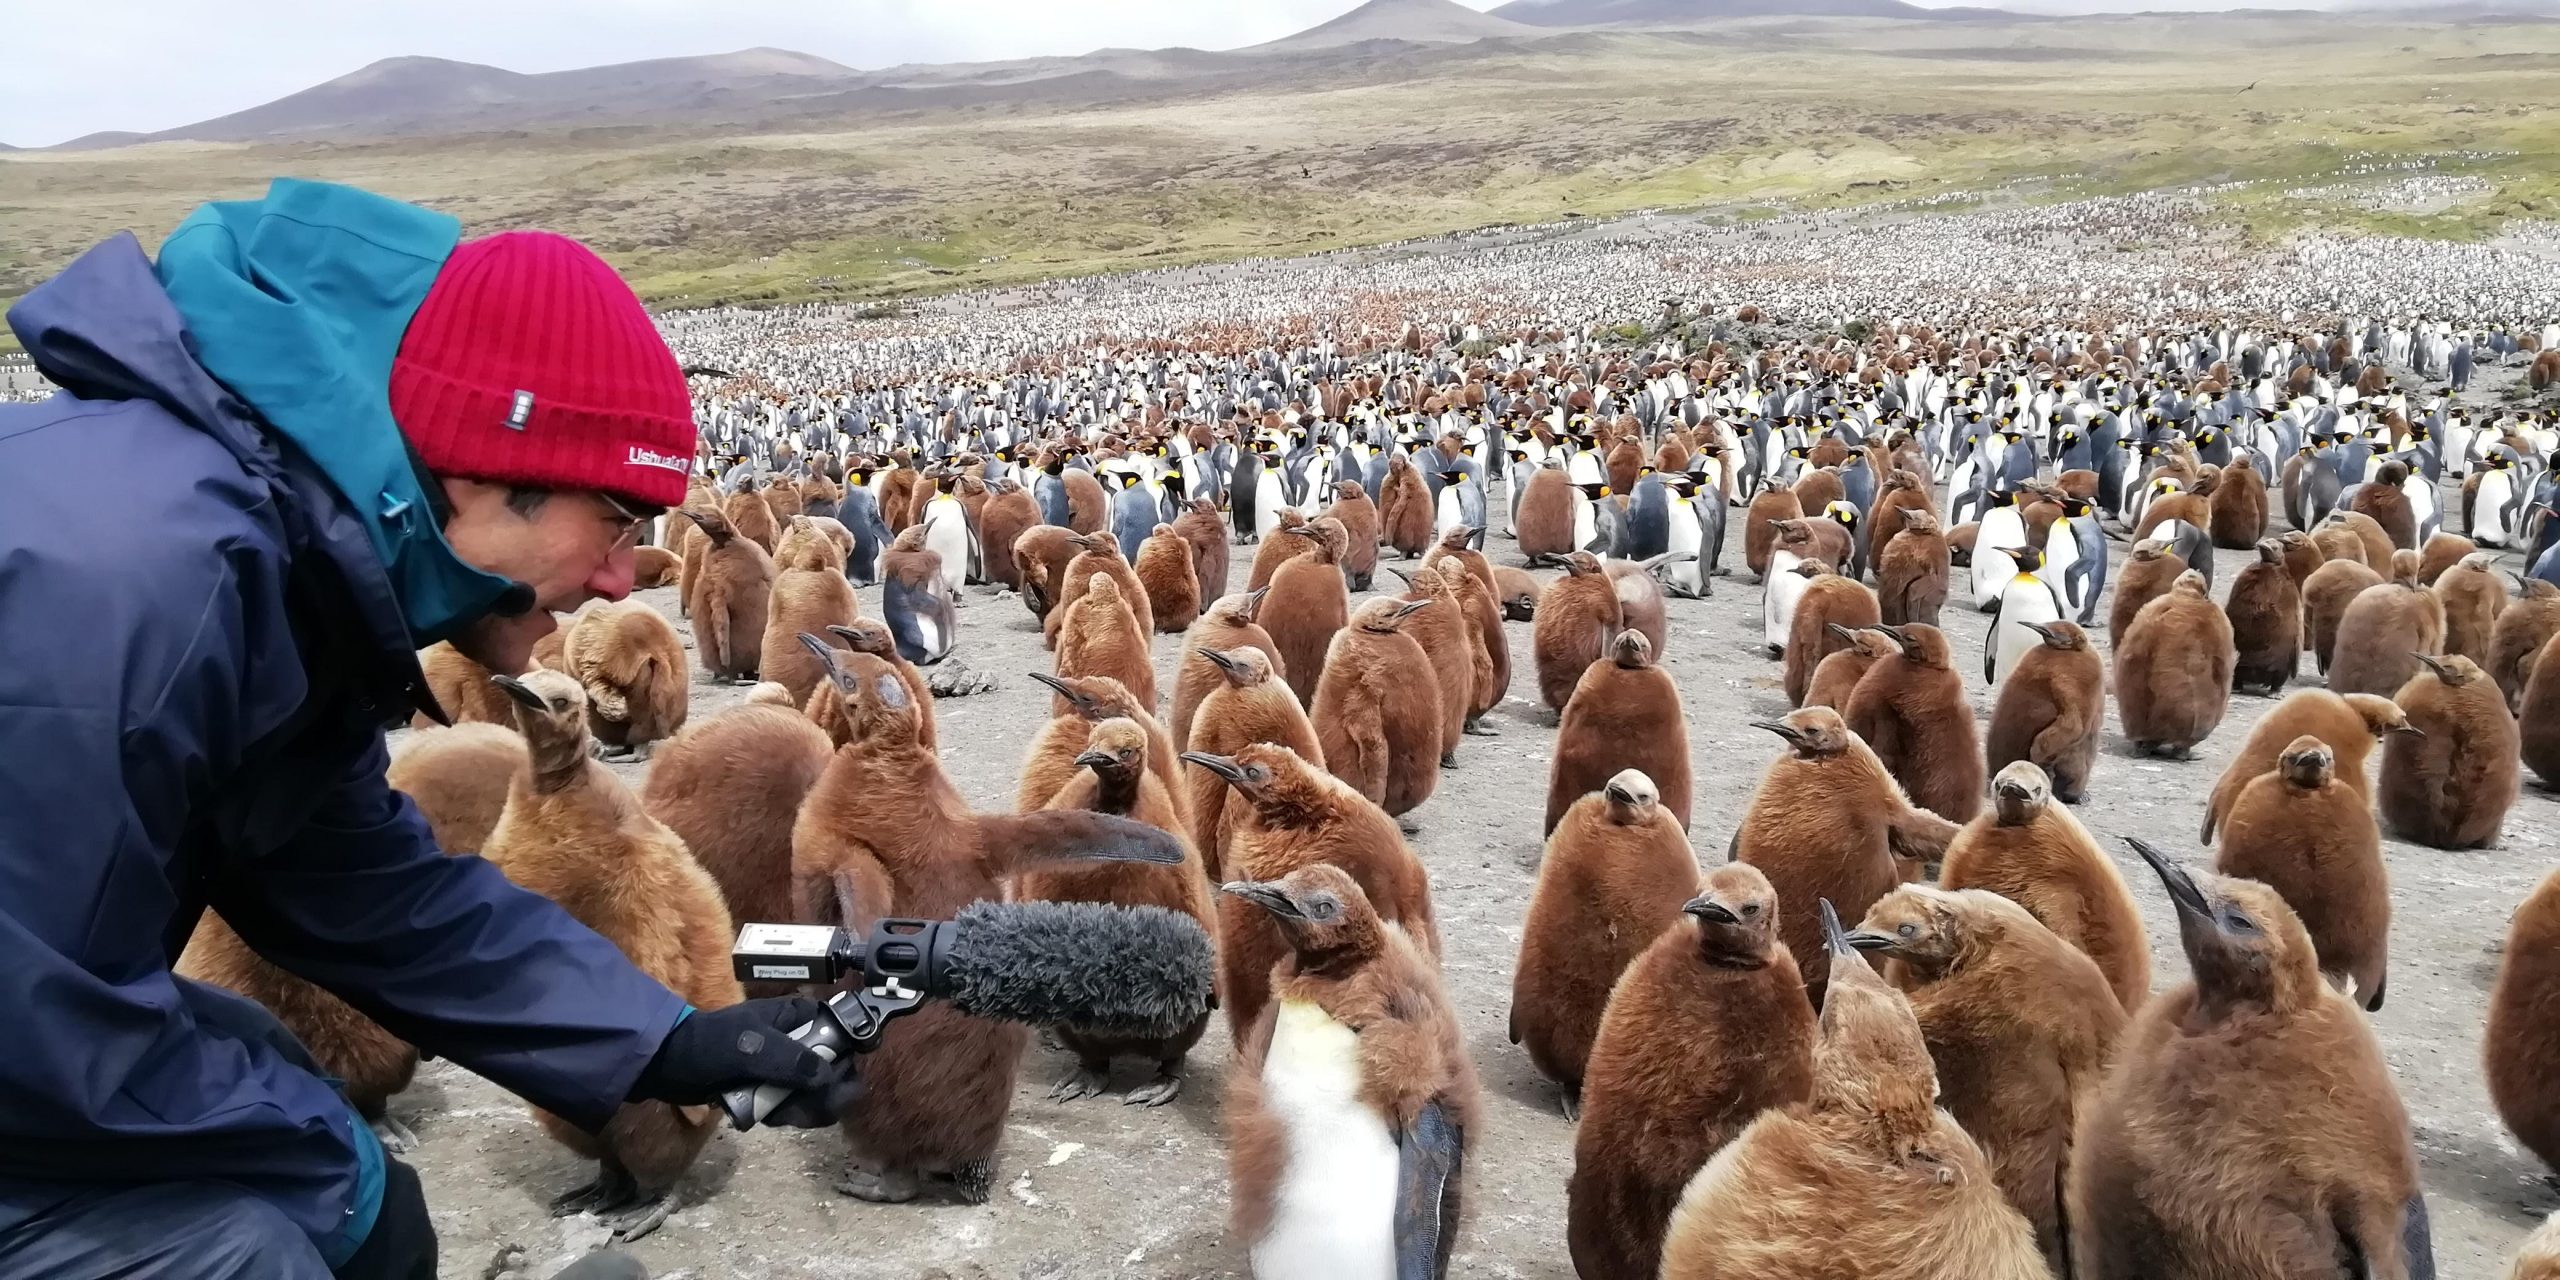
316 434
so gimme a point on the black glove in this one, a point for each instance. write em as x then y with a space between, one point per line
714 1051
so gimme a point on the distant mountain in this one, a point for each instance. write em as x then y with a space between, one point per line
1671 13
1416 21
424 95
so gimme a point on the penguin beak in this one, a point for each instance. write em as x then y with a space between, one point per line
1894 634
1298 529
1096 759
1412 607
2045 629
1223 766
1401 575
2181 885
1780 728
1868 940
1833 939
1618 794
1269 897
2409 729
1708 909
515 689
1084 705
1224 662
848 635
691 514
2434 663
1253 602
1846 634
2008 790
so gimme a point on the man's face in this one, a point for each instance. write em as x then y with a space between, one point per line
569 546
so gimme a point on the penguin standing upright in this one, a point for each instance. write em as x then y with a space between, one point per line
913 602
859 513
1687 560
1460 504
1134 512
2002 529
1244 488
2026 603
1353 1102
947 535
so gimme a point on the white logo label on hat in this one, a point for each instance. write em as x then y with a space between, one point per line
641 457
522 412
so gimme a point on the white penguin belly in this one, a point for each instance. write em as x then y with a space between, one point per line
1452 514
946 534
929 632
1778 598
1333 1212
2489 510
1267 501
1586 523
1685 545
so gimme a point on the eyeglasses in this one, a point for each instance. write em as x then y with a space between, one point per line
623 518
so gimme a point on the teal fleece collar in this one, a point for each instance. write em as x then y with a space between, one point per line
297 303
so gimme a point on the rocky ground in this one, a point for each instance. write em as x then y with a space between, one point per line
1094 1188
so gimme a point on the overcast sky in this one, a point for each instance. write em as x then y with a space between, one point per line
79 66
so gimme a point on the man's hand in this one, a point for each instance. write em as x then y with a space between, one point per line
712 1052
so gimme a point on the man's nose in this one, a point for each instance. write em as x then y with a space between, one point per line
612 580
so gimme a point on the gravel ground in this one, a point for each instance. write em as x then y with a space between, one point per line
1094 1188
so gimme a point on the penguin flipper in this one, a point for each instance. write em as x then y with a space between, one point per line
1430 1164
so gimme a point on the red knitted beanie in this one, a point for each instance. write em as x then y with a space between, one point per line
532 363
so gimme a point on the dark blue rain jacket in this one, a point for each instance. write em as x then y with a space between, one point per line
216 562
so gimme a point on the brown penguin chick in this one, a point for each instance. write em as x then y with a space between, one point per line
1831 607
1289 541
1960 541
1309 604
2302 831
1088 507
825 708
1911 711
1041 554
1360 525
1898 495
2538 717
2381 634
1640 602
458 778
2035 854
2239 508
653 567
1228 623
2472 597
1405 515
730 787
690 546
2190 508
1542 520
633 664
2050 710
1249 705
2349 724
1818 488
1577 617
461 688
2442 552
1441 630
2325 597
2301 557
2450 782
1838 675
1490 657
2337 541
2265 608
730 599
810 594
2150 569
1625 713
1101 637
1814 538
1516 592
1115 778
1774 503
2378 546
1617 867
1864 1180
2019 1025
1911 573
2524 627
783 498
2381 499
751 517
1200 526
1081 703
1001 523
884 832
1708 1028
1290 814
1097 556
1377 709
575 835
2173 671
1828 822
1357 1076
2248 1128
1164 570
2521 1043
2538 1258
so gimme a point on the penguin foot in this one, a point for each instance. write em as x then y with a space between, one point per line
396 1137
1571 1105
2072 797
1083 1082
1478 728
649 1216
974 1181
886 1186
612 1189
1408 824
1154 1093
1449 760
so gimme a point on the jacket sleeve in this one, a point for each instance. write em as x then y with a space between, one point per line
447 953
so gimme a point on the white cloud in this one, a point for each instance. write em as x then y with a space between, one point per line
80 66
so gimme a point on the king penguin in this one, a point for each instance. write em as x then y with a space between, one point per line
2002 528
1134 513
2026 603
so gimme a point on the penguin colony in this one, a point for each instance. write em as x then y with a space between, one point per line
1901 990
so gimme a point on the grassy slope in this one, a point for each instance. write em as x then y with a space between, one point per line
1794 112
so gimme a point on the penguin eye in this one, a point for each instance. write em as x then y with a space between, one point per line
1750 909
1908 930
2238 922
